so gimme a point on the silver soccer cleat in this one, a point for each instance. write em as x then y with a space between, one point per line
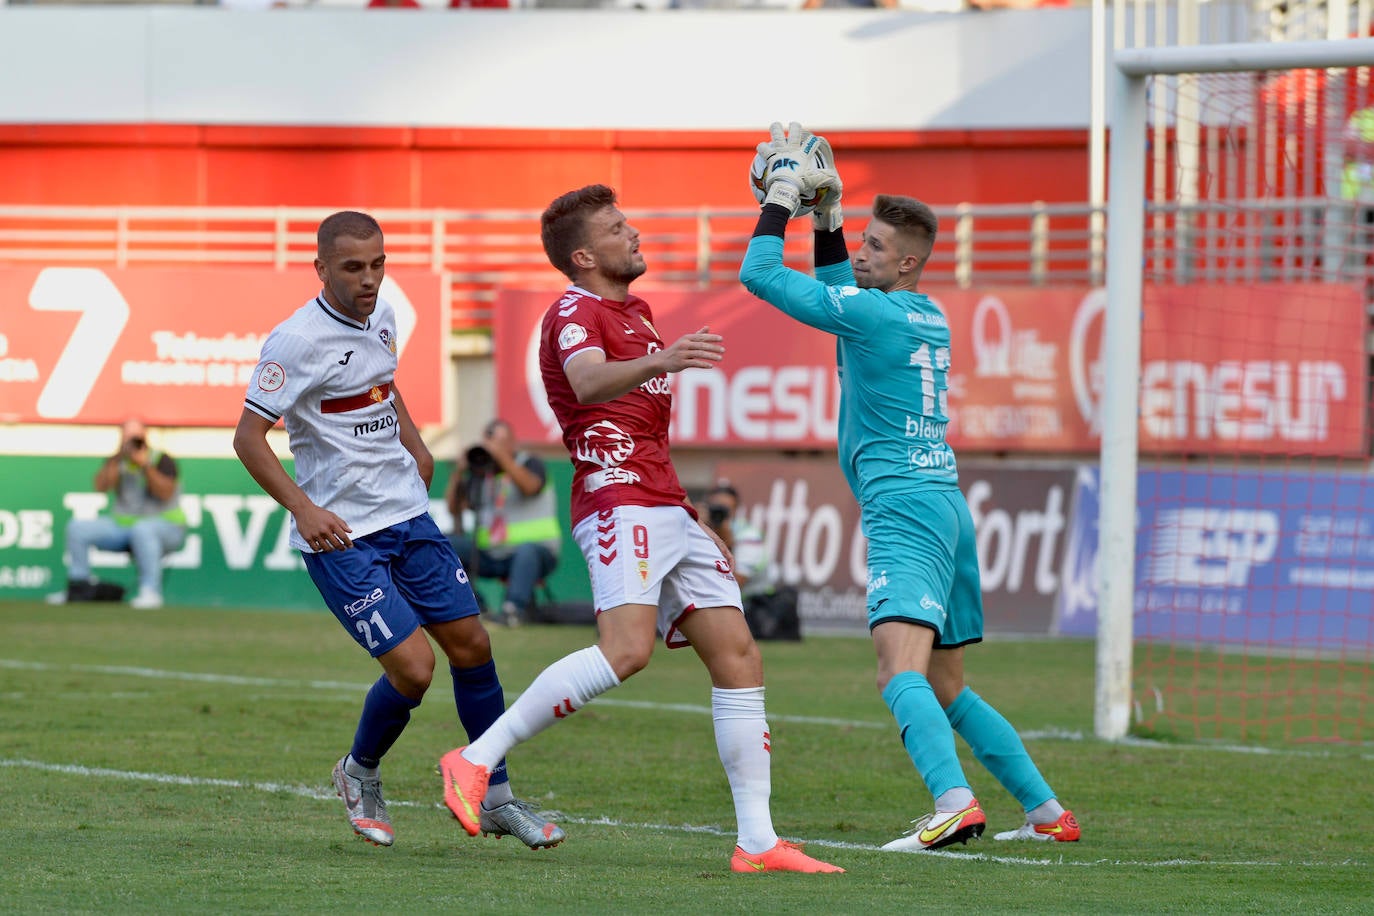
518 819
366 808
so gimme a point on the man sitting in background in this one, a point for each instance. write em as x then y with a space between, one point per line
769 609
145 519
516 535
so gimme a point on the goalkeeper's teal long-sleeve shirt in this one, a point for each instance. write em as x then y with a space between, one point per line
892 353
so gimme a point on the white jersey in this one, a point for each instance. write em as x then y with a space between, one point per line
329 378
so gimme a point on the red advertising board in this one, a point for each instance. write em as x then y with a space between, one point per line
175 346
1277 368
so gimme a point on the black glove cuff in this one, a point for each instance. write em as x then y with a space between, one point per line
829 247
772 221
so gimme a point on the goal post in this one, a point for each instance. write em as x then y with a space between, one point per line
1134 96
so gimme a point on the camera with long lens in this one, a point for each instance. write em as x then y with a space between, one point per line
480 467
716 515
137 443
479 460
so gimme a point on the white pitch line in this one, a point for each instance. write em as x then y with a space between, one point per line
1055 734
327 795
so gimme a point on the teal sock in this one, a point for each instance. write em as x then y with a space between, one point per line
997 746
925 732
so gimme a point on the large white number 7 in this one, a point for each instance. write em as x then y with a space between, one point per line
104 314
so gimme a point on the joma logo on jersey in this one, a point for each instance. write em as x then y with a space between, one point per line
1206 547
362 604
381 423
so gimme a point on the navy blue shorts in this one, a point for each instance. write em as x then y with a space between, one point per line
392 582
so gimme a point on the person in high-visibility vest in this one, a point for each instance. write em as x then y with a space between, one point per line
1357 174
515 536
145 519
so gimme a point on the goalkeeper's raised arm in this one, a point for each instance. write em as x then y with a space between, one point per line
794 172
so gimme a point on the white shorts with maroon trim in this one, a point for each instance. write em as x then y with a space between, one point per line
655 555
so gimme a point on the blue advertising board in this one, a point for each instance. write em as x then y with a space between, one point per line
1270 558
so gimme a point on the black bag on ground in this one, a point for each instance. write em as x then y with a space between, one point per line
774 615
95 591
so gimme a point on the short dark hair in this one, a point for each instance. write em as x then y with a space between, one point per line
351 223
563 226
724 486
909 217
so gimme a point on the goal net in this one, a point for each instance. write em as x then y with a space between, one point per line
1236 536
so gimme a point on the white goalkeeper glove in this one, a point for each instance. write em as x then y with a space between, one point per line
825 183
785 164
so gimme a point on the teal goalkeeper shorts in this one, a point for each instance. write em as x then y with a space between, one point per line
923 564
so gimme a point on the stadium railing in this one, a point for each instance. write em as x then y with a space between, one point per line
480 252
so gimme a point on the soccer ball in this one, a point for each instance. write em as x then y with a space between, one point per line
756 170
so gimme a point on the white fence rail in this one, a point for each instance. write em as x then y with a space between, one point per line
479 252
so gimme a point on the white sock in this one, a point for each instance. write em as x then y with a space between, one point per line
956 799
1047 813
559 691
498 795
744 745
357 770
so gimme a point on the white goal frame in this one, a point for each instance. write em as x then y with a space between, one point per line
1121 345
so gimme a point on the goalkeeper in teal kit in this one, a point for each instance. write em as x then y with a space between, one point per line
924 598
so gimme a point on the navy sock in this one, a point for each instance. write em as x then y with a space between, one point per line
385 714
477 694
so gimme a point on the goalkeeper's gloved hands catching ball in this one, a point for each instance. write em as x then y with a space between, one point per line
799 174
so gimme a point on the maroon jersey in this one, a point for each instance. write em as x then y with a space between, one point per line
619 449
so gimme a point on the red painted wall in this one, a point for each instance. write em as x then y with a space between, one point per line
190 165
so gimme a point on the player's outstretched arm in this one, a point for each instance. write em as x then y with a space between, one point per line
595 381
319 527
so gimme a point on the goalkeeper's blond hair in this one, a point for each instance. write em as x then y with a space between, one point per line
911 218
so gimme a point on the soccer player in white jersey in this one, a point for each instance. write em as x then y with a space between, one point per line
359 508
924 598
654 567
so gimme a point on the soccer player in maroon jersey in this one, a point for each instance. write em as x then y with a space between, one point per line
655 568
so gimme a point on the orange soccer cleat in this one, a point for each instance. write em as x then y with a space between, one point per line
784 856
465 785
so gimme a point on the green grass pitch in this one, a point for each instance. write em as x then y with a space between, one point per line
178 761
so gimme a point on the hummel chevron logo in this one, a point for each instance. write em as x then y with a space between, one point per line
605 542
567 709
347 356
607 558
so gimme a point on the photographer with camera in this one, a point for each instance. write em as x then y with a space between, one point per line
770 610
514 534
720 505
145 519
